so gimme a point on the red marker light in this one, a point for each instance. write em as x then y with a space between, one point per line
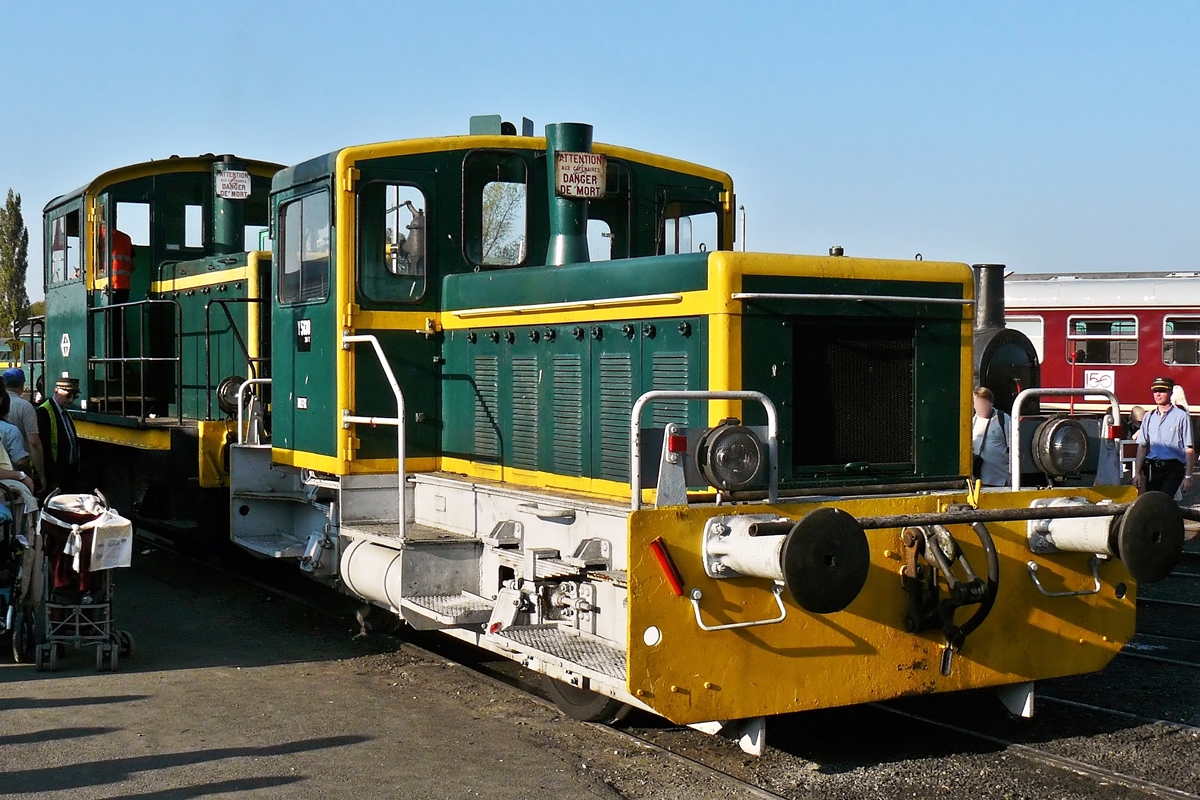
1114 432
659 548
676 443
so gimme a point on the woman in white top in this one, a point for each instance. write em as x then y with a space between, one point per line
990 439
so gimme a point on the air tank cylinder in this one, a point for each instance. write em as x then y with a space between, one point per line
568 216
372 572
229 216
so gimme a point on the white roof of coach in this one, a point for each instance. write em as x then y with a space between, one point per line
1102 290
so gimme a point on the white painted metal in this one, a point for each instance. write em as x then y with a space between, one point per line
241 393
729 551
1018 698
372 572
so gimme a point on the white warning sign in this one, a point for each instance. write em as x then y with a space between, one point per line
579 175
233 184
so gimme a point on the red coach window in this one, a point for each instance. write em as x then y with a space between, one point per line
1181 340
1102 340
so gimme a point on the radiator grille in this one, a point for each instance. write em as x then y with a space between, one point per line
487 393
568 414
670 371
616 405
853 387
525 413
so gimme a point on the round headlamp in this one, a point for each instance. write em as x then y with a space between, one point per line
227 392
1060 446
730 457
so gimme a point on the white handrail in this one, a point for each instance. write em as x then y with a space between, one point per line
241 405
398 420
635 434
1014 461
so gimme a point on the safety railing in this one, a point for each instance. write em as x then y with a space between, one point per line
635 434
1015 447
115 339
253 363
349 419
241 404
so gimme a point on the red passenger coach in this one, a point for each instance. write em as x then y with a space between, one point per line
1116 331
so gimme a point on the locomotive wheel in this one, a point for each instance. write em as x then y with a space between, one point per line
125 643
40 658
584 704
113 658
100 658
52 662
24 639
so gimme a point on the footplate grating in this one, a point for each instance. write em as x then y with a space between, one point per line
451 609
569 647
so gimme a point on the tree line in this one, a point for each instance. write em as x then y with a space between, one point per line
14 264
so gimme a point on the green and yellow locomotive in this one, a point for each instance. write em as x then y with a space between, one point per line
522 390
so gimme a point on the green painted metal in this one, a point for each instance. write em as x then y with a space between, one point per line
770 365
304 412
557 398
413 357
228 216
577 282
568 217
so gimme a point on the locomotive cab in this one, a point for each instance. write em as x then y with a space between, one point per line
151 301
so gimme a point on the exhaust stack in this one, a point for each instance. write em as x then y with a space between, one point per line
568 215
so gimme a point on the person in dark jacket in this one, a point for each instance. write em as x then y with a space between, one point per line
57 432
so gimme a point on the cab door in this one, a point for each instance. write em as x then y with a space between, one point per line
305 333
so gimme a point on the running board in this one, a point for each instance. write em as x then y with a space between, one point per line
594 658
450 610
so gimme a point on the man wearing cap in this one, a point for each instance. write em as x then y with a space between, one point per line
1165 454
22 414
58 433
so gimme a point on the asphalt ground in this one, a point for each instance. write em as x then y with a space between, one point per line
234 692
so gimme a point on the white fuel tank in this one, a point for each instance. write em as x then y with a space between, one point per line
372 572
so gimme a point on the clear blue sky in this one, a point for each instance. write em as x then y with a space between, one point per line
1048 136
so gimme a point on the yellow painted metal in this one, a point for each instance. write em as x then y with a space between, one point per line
196 281
94 278
256 262
338 466
212 465
596 487
688 304
139 438
861 654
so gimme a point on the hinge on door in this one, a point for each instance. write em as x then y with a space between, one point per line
349 178
727 200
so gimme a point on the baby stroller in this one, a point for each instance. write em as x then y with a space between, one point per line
82 541
19 590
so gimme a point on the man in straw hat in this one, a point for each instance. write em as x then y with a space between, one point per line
1165 454
57 432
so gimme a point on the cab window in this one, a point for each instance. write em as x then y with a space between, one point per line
65 264
495 189
688 228
608 216
392 226
304 255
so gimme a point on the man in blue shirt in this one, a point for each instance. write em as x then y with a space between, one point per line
1165 454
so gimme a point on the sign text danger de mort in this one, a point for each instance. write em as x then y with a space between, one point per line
233 184
578 174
